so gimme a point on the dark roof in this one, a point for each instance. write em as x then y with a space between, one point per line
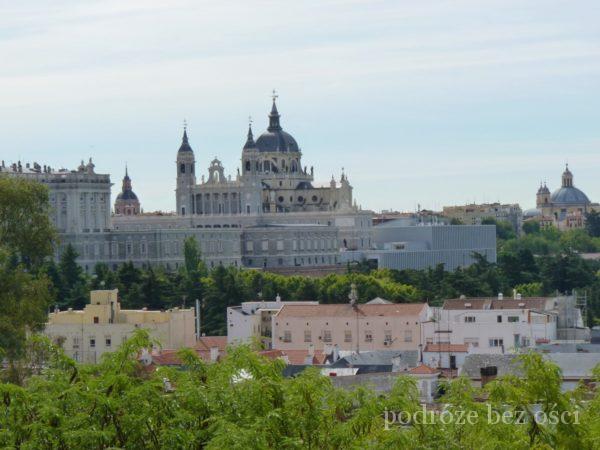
408 358
185 145
250 144
569 195
127 195
275 139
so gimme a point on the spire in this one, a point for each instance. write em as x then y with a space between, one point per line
274 115
185 145
126 173
250 140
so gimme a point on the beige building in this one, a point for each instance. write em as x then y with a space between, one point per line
473 214
102 326
364 327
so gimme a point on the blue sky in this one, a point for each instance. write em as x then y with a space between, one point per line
423 102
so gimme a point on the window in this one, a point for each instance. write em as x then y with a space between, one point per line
75 342
265 245
280 245
307 336
469 319
107 341
347 336
287 336
326 335
92 342
496 342
368 336
499 319
96 319
408 336
387 336
182 168
513 319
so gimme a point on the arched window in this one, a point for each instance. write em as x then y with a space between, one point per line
248 166
294 166
182 168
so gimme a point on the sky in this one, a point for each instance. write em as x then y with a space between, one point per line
423 103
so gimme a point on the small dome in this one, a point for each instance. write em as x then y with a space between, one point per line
127 195
529 213
304 185
569 196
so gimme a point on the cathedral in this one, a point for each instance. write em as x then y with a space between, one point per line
565 208
269 215
272 180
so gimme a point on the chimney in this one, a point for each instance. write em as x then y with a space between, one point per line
278 298
514 294
214 354
500 296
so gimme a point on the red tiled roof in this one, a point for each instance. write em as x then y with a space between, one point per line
295 357
450 348
422 369
208 342
346 310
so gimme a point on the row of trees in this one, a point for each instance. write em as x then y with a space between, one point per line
244 402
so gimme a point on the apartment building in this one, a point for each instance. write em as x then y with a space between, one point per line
350 327
251 321
493 325
102 326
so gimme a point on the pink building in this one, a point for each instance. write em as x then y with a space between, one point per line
364 327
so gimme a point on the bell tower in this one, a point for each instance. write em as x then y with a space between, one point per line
186 176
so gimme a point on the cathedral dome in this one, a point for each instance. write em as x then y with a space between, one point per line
127 195
275 139
569 195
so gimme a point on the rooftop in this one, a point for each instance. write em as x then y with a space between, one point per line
347 310
539 303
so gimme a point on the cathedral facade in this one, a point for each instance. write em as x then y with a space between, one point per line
269 215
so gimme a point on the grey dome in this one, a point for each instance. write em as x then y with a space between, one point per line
127 195
534 212
276 141
569 195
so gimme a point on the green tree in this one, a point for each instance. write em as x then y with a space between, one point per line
25 227
592 223
74 292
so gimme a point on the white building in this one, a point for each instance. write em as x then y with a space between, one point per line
493 325
445 356
102 326
251 321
